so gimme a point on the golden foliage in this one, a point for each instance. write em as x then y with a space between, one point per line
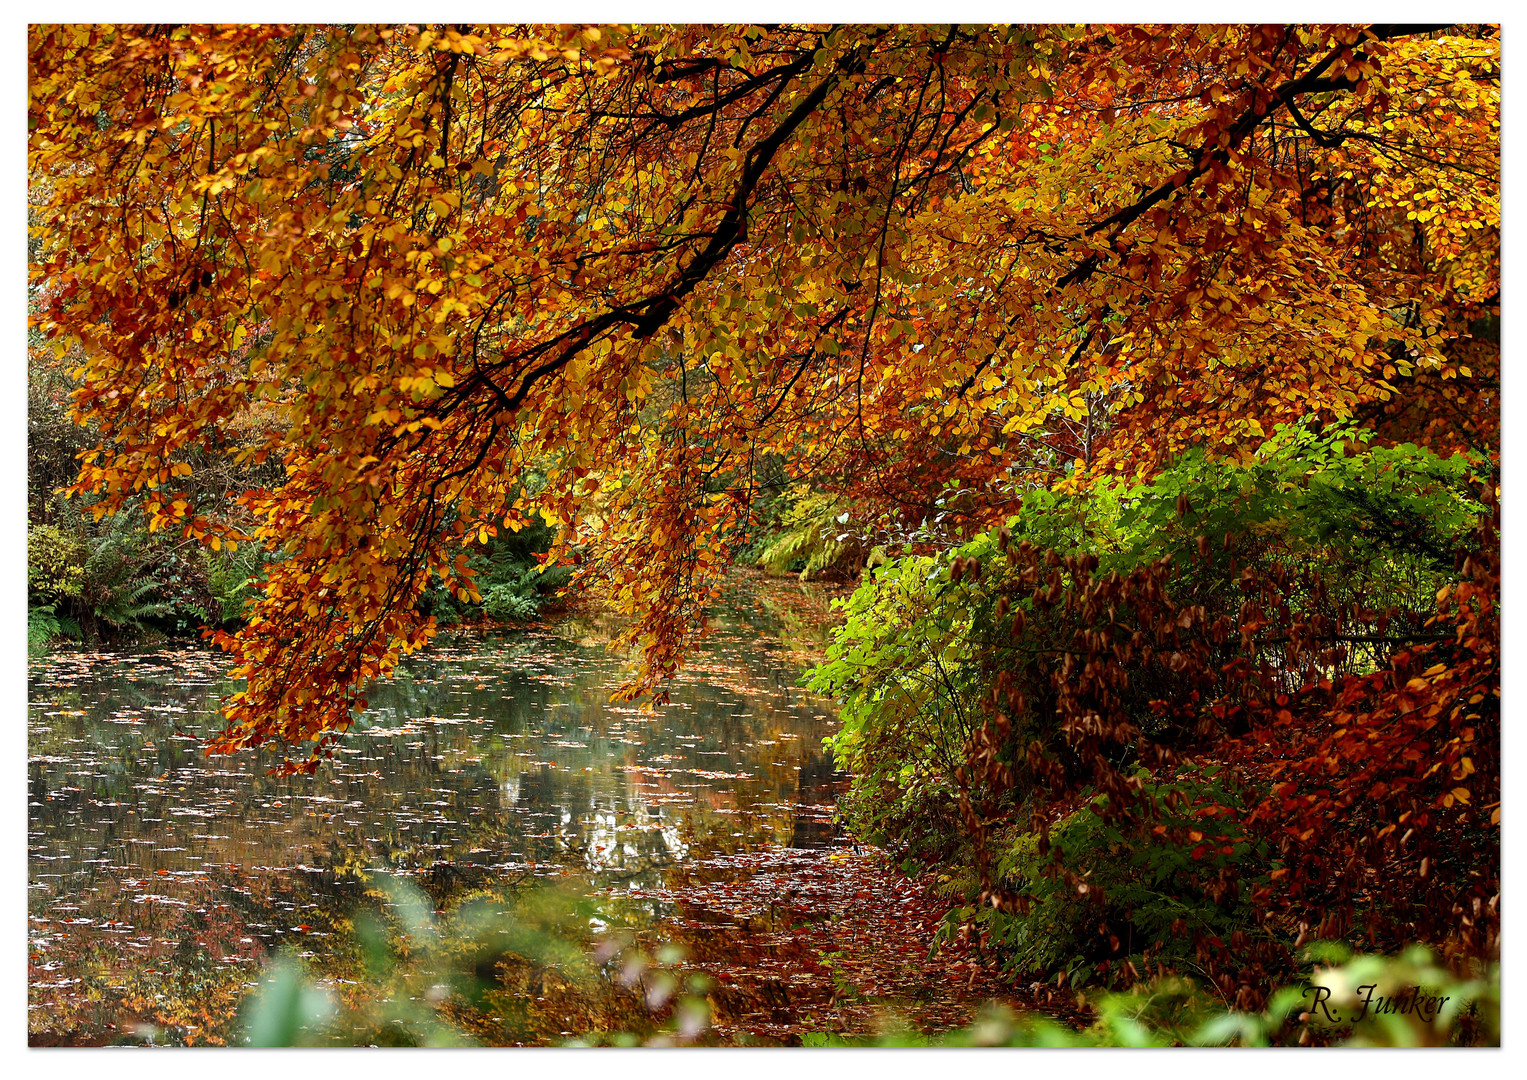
424 262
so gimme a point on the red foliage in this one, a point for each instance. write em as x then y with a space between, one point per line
1376 795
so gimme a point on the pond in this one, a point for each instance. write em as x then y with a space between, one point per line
160 880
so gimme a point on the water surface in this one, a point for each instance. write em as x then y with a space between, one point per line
156 873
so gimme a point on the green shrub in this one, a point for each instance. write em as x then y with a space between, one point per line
903 671
1106 901
1363 534
55 564
912 662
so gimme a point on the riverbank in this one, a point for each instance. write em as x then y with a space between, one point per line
802 943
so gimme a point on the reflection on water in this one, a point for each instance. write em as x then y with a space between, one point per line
490 757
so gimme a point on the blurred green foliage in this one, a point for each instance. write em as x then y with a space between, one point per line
446 978
498 967
1178 1012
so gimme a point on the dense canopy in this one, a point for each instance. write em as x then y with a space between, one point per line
459 279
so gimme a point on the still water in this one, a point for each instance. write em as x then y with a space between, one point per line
159 876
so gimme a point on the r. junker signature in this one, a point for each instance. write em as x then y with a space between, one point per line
1412 1001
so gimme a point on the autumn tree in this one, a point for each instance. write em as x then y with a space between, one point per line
636 259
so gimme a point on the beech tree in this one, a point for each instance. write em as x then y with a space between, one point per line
633 260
